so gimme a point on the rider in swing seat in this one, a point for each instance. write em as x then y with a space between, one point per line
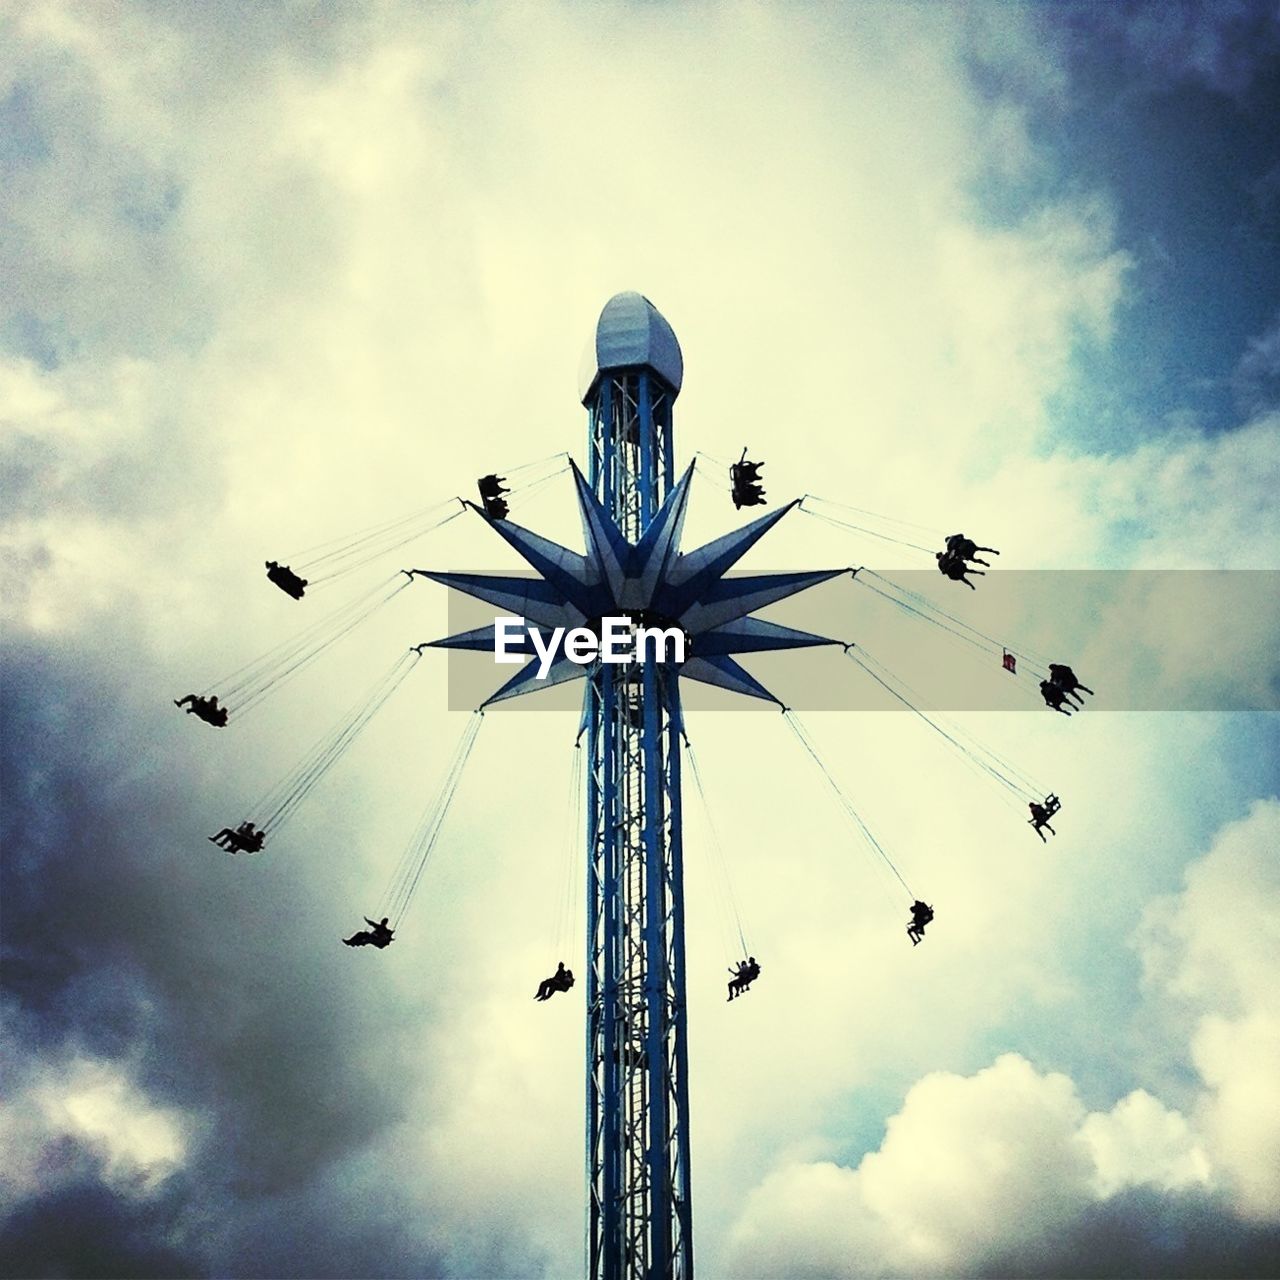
561 980
921 915
379 934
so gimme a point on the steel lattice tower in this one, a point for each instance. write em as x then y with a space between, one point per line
633 508
640 1214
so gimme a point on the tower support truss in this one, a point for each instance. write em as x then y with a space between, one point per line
640 1222
639 1207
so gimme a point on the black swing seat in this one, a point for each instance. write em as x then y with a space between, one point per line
288 581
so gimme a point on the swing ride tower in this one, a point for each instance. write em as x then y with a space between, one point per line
640 1224
639 1208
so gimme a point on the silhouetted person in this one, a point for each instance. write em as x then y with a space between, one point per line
1053 697
744 975
954 568
286 579
205 709
491 491
376 935
561 980
744 476
1065 679
244 839
921 915
962 548
1040 819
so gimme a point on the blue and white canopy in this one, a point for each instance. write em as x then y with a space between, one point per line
651 578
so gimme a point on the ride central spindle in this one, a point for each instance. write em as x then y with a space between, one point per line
640 1216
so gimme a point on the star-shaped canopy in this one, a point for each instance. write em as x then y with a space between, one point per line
650 580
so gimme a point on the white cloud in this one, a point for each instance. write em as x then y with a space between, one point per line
969 1164
970 1161
1059 285
1211 950
1184 501
987 1165
1238 1059
97 1105
1140 1142
969 1168
357 246
101 1107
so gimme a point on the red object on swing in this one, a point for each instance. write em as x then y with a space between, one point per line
1010 663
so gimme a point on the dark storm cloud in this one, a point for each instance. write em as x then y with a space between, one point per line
83 1228
126 940
1170 118
1264 197
1257 377
1222 45
1148 1233
109 911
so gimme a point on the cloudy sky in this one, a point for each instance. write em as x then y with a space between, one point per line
273 271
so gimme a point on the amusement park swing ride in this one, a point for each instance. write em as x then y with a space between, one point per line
631 617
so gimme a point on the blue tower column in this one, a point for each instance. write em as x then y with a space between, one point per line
632 508
639 1209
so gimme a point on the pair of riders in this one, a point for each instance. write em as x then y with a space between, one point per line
1060 687
286 579
244 839
378 934
206 709
745 479
561 980
491 491
1040 815
921 915
953 562
744 974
